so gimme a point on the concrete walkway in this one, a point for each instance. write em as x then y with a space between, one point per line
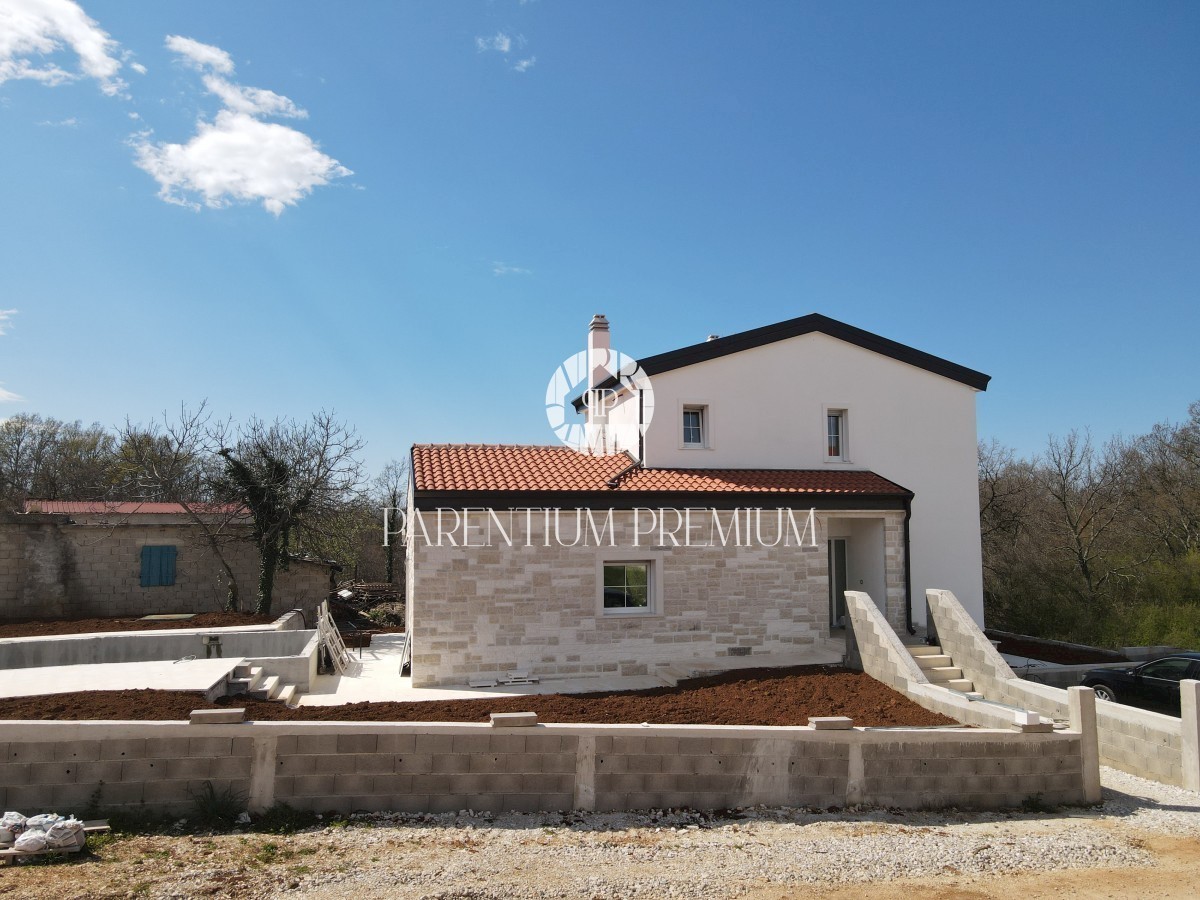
186 675
377 677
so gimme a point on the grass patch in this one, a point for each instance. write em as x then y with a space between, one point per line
216 809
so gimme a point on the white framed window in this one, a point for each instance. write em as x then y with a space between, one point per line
837 445
693 426
629 585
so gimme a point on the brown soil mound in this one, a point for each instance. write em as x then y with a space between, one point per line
745 697
29 628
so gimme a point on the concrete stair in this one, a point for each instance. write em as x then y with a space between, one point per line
267 688
254 682
245 678
939 668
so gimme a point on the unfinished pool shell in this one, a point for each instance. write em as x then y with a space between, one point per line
210 661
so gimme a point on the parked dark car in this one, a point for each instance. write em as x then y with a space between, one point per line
1153 685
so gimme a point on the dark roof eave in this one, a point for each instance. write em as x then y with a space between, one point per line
609 499
813 322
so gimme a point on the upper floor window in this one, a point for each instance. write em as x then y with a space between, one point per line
694 426
835 435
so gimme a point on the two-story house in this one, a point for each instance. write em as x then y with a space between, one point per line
767 472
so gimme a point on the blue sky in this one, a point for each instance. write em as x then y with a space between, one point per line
1013 186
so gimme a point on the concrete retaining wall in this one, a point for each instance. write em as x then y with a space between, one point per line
437 767
1137 741
144 646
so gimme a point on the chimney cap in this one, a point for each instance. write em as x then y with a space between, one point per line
713 337
598 321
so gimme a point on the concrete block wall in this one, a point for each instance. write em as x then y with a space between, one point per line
70 769
1143 743
884 657
50 569
487 610
437 767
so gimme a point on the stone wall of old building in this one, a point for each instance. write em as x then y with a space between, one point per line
52 569
536 606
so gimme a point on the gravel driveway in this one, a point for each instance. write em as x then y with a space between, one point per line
1146 833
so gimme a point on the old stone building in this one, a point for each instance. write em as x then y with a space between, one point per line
79 560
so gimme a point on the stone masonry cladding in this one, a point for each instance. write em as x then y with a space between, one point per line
485 610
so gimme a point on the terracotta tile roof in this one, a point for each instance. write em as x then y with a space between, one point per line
493 467
784 481
500 467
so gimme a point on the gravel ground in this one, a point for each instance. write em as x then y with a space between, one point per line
759 853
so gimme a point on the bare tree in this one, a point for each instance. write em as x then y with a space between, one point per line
175 461
1165 478
293 478
1087 499
391 491
48 459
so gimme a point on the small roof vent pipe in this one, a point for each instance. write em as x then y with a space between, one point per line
713 337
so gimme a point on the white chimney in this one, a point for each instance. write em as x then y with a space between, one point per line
598 351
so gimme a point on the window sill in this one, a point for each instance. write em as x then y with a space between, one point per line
629 613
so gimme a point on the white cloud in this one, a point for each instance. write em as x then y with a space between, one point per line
7 396
61 123
500 268
252 101
524 65
237 157
499 41
32 30
200 56
138 67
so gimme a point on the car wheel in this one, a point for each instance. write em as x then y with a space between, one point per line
1104 692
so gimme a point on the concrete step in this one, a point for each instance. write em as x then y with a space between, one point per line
933 661
960 684
942 674
245 678
267 690
924 650
288 695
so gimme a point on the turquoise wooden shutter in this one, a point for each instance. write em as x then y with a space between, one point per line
148 566
158 566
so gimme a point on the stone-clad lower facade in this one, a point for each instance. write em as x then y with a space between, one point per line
537 606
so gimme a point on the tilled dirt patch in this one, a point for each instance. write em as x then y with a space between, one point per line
31 628
745 697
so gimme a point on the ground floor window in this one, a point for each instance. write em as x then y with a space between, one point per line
158 566
627 586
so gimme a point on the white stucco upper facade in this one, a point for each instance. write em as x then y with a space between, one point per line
767 407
